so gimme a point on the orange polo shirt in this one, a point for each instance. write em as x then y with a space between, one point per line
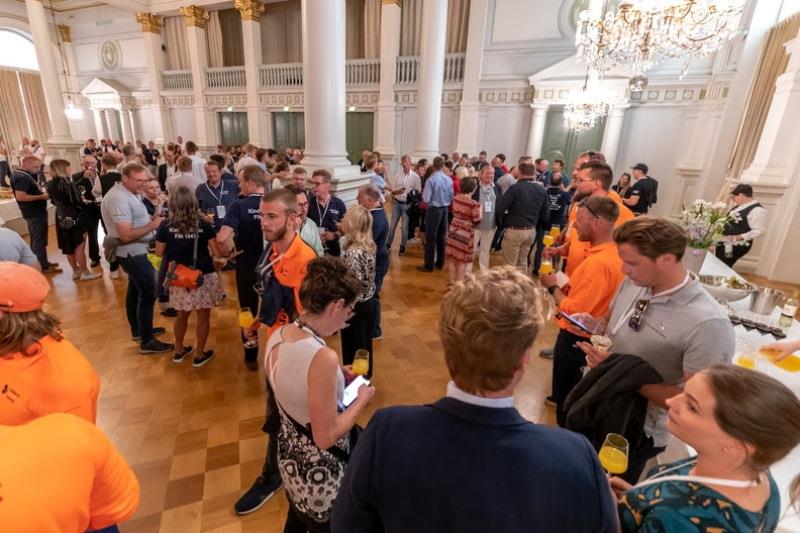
290 272
593 285
578 248
61 474
57 378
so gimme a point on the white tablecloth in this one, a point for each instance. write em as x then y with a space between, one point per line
785 470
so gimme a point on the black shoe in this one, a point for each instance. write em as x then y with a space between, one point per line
377 335
546 353
439 267
180 356
402 251
170 312
204 358
156 331
550 400
55 266
257 495
96 263
52 269
155 346
423 269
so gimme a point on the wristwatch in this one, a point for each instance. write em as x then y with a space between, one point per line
552 290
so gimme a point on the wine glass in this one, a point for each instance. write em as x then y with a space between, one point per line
548 240
246 320
361 362
614 454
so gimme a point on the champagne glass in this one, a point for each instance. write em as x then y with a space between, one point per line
614 454
555 231
246 320
546 267
548 240
361 362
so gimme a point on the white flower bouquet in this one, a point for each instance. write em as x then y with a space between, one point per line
705 222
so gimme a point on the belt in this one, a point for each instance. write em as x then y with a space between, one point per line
521 228
399 201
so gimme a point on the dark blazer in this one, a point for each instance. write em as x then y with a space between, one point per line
380 233
498 192
162 176
607 400
453 466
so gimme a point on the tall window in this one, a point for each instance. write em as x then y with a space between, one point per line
17 51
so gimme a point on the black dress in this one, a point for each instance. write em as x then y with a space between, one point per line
70 213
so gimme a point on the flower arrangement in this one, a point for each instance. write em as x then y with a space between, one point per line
705 222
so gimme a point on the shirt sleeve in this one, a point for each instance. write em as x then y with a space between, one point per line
120 211
162 233
427 192
587 289
208 231
26 256
757 220
712 342
233 216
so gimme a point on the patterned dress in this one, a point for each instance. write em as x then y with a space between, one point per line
460 243
690 506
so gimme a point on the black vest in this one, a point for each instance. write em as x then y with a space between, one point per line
738 228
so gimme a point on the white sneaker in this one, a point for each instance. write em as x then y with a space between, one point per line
114 274
76 275
89 275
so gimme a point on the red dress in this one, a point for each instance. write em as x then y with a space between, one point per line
460 243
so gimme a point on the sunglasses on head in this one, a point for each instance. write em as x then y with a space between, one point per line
635 321
584 204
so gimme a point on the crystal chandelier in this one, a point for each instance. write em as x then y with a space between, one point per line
586 106
643 33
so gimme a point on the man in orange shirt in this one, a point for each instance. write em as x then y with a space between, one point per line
41 372
280 272
594 178
59 474
590 290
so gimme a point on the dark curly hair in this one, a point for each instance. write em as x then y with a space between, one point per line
327 280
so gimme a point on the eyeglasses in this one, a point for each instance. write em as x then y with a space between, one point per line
635 321
585 205
350 311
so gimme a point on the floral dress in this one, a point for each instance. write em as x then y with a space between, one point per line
460 243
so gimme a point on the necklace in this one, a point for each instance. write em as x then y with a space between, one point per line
300 323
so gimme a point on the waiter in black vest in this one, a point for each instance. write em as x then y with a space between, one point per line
739 235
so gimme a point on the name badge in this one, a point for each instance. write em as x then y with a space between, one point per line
488 206
221 212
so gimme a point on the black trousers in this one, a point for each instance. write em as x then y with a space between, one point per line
91 220
37 232
568 360
435 232
272 425
297 522
248 297
358 335
739 251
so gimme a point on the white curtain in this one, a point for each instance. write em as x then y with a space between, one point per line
214 40
177 43
457 25
281 32
372 28
411 27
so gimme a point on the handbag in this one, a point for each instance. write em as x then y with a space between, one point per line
183 276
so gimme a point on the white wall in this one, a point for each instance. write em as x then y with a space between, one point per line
506 132
183 123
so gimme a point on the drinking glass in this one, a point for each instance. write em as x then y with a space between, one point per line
548 240
246 320
746 357
546 267
361 362
555 231
614 454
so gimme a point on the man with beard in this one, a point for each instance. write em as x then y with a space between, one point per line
280 272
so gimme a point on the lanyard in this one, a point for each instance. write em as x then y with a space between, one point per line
34 180
735 483
669 292
221 192
323 213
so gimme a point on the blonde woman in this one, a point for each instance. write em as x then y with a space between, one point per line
358 252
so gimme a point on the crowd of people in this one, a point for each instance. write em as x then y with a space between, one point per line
642 350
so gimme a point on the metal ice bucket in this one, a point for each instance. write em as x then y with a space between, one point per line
764 300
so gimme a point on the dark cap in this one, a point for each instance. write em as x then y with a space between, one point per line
743 188
641 166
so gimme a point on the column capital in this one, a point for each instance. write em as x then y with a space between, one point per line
398 3
194 16
250 9
64 33
150 22
540 106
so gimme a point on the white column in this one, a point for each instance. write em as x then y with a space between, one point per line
613 133
111 124
431 78
536 133
196 19
98 124
251 11
49 72
132 120
467 134
385 140
126 126
151 35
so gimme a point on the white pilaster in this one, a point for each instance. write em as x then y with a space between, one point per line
111 128
48 71
324 93
126 126
196 19
536 133
151 34
132 119
431 78
385 141
251 11
613 133
98 125
467 133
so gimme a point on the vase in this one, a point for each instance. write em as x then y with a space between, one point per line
693 258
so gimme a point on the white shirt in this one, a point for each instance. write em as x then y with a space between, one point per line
498 403
243 162
199 167
189 181
756 219
410 181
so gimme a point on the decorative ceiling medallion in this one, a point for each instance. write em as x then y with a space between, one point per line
109 55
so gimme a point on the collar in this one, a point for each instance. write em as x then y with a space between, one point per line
600 247
454 392
217 186
745 206
488 416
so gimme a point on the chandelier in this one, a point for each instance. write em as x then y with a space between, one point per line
586 106
642 33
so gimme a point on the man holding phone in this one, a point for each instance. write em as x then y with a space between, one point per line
590 290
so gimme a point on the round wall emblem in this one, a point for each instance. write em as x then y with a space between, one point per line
109 55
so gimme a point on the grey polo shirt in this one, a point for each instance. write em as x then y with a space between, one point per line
13 248
121 205
681 333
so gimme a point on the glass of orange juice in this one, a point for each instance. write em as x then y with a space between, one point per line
746 357
548 240
555 231
246 320
546 267
614 454
361 362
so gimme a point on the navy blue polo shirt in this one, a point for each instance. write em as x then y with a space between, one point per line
217 198
244 218
327 216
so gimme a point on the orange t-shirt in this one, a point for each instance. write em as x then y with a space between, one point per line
61 474
578 248
290 272
593 285
56 379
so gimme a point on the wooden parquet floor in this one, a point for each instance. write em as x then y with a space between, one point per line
193 436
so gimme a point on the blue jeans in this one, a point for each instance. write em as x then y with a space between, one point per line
37 232
399 212
141 295
380 273
435 232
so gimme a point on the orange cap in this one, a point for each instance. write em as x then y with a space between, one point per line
22 288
